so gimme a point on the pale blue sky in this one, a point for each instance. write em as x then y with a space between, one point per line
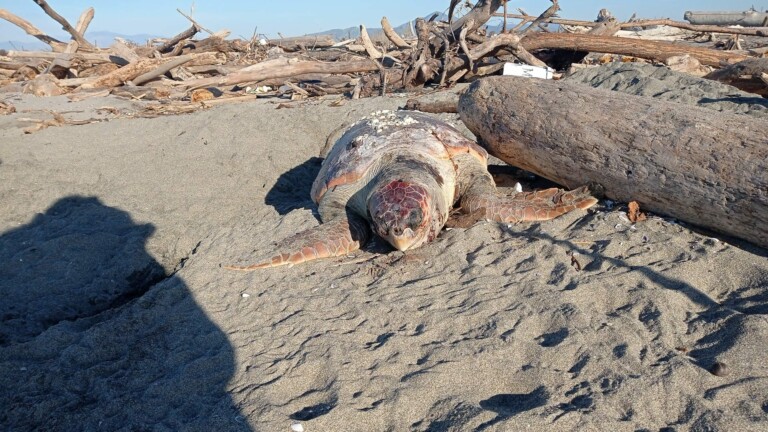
297 17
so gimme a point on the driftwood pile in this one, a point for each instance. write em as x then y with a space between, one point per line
185 73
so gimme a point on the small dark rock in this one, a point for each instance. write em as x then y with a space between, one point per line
719 369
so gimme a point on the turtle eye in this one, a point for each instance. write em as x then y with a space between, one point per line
414 218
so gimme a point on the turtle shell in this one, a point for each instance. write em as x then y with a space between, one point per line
382 132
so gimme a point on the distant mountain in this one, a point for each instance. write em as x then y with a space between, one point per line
33 45
406 29
99 38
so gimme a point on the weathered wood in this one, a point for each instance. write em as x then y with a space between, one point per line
161 69
698 165
563 59
91 57
11 65
368 44
479 15
745 75
85 20
511 42
652 50
122 75
283 68
447 105
124 51
194 23
64 24
31 30
760 31
390 33
171 43
303 42
551 11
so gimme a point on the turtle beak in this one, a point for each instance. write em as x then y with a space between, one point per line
404 241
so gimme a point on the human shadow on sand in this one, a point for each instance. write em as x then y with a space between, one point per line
95 335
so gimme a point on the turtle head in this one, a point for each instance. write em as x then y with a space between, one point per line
403 213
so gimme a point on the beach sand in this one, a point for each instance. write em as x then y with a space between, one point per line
117 314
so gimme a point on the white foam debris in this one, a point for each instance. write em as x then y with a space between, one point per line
297 427
518 187
245 295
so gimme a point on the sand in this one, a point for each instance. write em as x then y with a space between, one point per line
117 315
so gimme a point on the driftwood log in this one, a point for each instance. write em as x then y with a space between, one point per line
698 165
652 50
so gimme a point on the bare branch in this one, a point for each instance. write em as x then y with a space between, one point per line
64 24
31 30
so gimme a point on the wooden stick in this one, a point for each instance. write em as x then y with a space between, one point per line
186 34
511 41
56 45
504 24
64 24
162 69
122 75
301 43
480 14
194 23
73 45
11 65
222 101
84 21
543 17
392 35
368 44
283 68
463 43
91 57
434 107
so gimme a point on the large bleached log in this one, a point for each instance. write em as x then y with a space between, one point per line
652 50
699 165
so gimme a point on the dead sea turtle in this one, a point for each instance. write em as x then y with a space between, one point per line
400 173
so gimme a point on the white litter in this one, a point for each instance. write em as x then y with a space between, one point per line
521 70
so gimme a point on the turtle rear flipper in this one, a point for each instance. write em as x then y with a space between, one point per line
336 237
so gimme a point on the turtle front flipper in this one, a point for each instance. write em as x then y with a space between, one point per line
337 237
529 206
480 197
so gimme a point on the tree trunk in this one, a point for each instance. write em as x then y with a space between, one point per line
702 166
652 50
